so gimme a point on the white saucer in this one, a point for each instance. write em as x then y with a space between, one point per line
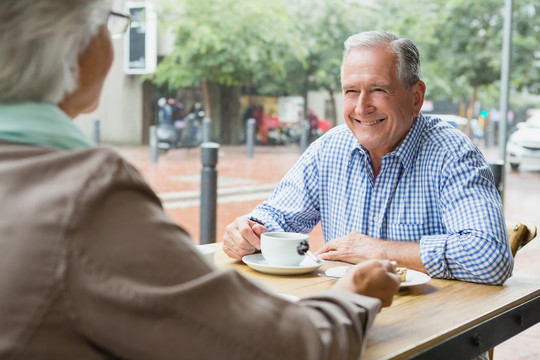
413 277
257 262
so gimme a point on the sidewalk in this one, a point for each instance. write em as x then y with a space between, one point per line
243 183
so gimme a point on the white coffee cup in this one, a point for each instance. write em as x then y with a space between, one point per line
207 252
280 248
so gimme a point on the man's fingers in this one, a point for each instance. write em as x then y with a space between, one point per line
245 234
242 236
324 249
240 239
230 252
258 229
330 255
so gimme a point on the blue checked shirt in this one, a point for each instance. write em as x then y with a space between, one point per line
435 188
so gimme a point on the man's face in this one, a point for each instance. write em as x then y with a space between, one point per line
376 107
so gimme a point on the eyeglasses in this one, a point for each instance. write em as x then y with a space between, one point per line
118 24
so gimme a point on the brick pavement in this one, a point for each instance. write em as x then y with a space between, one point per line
243 183
176 178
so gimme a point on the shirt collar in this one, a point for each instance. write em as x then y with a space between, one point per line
41 124
406 151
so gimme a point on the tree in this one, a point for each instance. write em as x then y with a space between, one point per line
222 45
475 36
406 21
461 43
526 53
323 26
328 27
289 50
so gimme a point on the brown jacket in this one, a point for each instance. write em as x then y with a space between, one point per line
92 268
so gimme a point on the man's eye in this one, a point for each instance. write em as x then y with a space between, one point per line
379 90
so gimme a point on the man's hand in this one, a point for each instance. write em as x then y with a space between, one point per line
242 237
375 278
353 248
357 247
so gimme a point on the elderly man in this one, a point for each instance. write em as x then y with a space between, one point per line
392 183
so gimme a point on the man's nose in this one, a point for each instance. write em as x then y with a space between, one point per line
364 105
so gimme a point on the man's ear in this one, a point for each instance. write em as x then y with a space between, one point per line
418 90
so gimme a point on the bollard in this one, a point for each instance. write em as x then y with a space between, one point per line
154 150
250 137
206 130
96 131
209 158
497 168
304 136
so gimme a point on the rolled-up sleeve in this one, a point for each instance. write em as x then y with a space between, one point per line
475 246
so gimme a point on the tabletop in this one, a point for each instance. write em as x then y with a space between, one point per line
440 319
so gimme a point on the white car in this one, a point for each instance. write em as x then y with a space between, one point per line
523 146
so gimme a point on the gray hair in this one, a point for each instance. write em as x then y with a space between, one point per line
41 42
408 66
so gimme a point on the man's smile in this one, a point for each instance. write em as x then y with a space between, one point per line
368 123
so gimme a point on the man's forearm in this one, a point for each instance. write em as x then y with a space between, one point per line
406 254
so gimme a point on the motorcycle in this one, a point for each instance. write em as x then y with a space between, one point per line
284 135
185 133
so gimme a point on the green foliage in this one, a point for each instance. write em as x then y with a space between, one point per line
461 43
526 50
323 26
289 48
226 42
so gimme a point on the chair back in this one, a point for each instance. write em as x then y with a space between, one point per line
520 234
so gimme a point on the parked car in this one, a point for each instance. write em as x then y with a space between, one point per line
524 144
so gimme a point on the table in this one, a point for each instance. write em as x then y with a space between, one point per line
443 319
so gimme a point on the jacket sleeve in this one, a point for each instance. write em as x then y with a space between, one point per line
138 289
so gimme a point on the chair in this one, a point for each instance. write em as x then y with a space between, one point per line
520 234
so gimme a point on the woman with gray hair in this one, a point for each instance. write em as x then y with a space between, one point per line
90 265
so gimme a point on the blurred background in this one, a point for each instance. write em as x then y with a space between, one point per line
279 61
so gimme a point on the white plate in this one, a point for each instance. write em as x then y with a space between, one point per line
413 277
257 262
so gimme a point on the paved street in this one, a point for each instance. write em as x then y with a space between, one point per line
243 183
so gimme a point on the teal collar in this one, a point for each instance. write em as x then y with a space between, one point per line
41 124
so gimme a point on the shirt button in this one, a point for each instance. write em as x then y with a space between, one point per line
375 219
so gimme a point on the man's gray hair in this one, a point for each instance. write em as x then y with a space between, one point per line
40 45
408 66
